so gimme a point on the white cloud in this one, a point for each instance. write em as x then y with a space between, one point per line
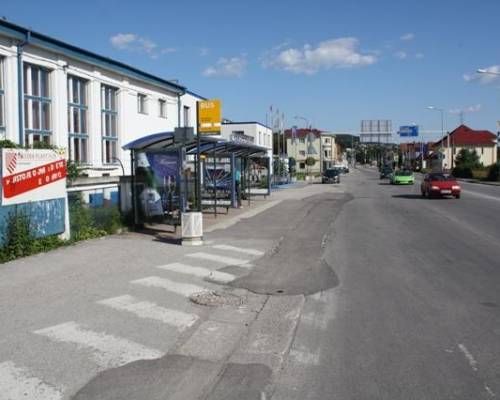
489 77
137 43
419 56
234 66
334 53
471 109
401 55
407 37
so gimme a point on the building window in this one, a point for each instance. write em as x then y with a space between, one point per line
109 130
302 140
482 150
37 105
2 100
302 153
327 140
302 165
142 103
186 117
162 108
78 135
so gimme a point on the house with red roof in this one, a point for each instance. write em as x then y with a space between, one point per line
463 137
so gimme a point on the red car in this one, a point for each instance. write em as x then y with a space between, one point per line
440 184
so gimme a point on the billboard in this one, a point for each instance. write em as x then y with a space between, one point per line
209 116
32 175
408 131
376 126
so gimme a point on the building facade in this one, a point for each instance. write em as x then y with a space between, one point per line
311 143
482 141
58 94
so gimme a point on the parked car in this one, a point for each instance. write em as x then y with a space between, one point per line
438 184
402 177
331 175
386 172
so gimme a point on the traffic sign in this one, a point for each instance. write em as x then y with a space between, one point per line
408 131
209 116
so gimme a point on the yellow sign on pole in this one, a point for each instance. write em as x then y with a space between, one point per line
209 116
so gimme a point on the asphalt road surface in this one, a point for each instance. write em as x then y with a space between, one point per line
416 314
361 290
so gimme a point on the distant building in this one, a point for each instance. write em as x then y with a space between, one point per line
482 141
319 145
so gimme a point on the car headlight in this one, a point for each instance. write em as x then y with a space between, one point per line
434 187
455 187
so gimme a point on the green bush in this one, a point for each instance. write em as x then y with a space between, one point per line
300 176
463 171
494 172
82 222
20 242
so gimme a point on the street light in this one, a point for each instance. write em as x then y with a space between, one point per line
442 126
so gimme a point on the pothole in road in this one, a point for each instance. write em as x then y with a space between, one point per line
216 299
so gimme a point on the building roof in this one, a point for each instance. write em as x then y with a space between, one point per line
303 132
229 122
465 136
37 39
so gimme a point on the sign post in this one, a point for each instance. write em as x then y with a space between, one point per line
209 120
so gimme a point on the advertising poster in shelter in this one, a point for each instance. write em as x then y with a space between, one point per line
158 179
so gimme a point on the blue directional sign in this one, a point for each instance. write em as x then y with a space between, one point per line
408 131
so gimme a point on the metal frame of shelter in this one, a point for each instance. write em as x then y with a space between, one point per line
210 148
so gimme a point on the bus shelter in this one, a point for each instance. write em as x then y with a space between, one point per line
165 180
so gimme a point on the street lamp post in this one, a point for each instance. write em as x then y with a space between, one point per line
442 127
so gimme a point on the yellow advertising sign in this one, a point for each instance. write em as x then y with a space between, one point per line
209 116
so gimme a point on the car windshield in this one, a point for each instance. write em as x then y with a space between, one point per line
441 177
331 172
403 173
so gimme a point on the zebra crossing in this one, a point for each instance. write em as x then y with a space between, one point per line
197 272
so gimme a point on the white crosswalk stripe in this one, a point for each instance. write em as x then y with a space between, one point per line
17 383
220 259
228 247
109 351
200 272
149 310
184 289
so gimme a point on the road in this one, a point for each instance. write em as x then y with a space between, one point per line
354 291
416 313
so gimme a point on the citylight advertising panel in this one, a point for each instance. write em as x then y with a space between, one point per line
32 175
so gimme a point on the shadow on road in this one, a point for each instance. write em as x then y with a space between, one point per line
412 197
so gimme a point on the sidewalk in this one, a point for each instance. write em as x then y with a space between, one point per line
257 205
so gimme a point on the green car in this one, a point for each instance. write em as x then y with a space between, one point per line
402 177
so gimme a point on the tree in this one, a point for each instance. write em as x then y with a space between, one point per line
465 162
310 161
468 158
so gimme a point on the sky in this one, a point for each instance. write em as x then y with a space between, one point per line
333 63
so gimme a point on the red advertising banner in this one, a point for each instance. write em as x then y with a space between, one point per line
24 181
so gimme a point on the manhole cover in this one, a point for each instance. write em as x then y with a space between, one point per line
216 299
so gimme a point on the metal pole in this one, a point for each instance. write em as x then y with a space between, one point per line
198 152
247 179
234 200
215 182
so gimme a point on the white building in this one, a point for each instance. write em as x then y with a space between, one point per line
56 93
249 132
